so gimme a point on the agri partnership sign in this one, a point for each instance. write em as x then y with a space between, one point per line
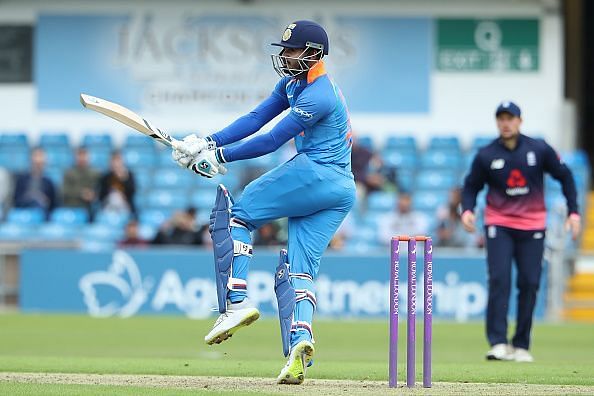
126 283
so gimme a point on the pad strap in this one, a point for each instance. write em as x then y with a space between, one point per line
304 294
237 284
300 326
242 249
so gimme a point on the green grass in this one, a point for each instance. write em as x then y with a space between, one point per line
9 388
344 350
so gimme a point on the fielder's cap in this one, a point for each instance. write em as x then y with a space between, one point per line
508 107
302 34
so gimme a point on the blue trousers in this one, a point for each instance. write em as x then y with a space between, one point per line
315 198
526 248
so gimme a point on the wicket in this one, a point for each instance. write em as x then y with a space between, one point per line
412 305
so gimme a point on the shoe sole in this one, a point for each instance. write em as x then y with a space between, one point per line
306 356
225 335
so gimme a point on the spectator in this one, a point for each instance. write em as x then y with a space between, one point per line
365 167
80 182
268 235
33 189
131 237
117 187
402 221
180 229
450 231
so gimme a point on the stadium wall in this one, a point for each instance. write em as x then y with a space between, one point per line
385 58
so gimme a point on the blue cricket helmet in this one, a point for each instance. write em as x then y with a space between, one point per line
304 34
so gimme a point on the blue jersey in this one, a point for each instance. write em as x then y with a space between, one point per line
319 107
318 120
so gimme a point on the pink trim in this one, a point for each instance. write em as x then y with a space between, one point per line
525 221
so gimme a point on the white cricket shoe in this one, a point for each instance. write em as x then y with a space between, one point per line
500 352
294 371
522 355
237 316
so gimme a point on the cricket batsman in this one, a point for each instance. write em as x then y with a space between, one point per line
315 190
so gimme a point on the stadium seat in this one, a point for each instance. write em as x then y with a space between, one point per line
147 231
164 160
13 139
99 158
143 178
481 141
364 141
154 217
54 231
167 199
172 178
138 140
441 159
59 157
406 179
101 233
436 179
16 232
449 143
203 199
399 159
429 200
112 219
56 175
139 156
25 216
401 143
381 201
15 159
97 140
49 140
69 216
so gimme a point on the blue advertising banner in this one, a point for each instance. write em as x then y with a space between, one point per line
126 283
175 61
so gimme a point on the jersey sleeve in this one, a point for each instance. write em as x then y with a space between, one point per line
314 103
559 171
473 183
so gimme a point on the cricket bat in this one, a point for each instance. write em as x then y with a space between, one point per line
133 120
127 117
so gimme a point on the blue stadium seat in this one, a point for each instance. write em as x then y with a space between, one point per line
481 141
97 140
450 143
366 234
173 178
577 158
13 139
441 159
15 159
59 157
69 216
154 217
16 232
147 231
164 160
54 231
48 140
364 141
401 143
112 219
56 175
381 201
203 199
406 179
25 216
143 177
399 159
167 199
138 140
429 200
139 156
101 233
99 158
436 179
